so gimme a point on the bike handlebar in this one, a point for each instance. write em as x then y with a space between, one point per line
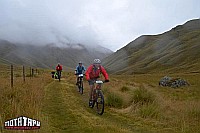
101 82
79 74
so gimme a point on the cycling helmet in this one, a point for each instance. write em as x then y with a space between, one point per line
97 61
80 62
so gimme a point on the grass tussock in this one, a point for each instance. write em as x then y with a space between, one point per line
149 111
124 89
144 103
142 96
114 100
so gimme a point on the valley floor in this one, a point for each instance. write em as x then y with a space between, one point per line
134 103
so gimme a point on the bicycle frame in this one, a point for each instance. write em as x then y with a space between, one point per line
98 97
97 88
80 83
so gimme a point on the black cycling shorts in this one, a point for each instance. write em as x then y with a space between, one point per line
92 81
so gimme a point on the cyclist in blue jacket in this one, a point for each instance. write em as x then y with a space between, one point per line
80 69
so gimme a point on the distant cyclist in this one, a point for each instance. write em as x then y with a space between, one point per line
80 69
92 74
59 69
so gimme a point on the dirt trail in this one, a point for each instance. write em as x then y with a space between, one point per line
66 110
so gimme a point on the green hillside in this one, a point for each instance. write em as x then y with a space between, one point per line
174 51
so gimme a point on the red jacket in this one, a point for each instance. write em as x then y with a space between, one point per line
59 68
91 73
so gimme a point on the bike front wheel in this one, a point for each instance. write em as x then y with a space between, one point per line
100 103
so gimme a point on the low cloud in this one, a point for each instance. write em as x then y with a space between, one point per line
111 24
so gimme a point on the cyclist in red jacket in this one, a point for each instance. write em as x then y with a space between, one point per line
59 69
92 74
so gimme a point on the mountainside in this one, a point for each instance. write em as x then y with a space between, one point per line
49 55
174 51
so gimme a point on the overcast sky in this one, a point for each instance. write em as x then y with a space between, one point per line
110 23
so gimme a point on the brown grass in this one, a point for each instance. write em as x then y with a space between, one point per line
24 99
176 109
170 110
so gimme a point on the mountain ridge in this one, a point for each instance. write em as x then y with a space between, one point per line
166 52
47 56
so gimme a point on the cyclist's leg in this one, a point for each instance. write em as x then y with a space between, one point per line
91 99
91 84
58 73
91 92
77 80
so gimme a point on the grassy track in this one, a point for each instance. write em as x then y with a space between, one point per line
67 111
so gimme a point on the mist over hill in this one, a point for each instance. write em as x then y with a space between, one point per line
174 51
47 56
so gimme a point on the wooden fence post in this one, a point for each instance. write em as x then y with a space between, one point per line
11 76
32 72
24 73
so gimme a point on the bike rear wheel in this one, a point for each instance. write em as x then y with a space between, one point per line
100 103
81 87
59 75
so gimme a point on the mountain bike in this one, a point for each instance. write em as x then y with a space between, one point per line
80 83
98 97
59 75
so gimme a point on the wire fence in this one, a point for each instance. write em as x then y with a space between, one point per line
11 72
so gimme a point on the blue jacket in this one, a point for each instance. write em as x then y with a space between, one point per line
80 69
